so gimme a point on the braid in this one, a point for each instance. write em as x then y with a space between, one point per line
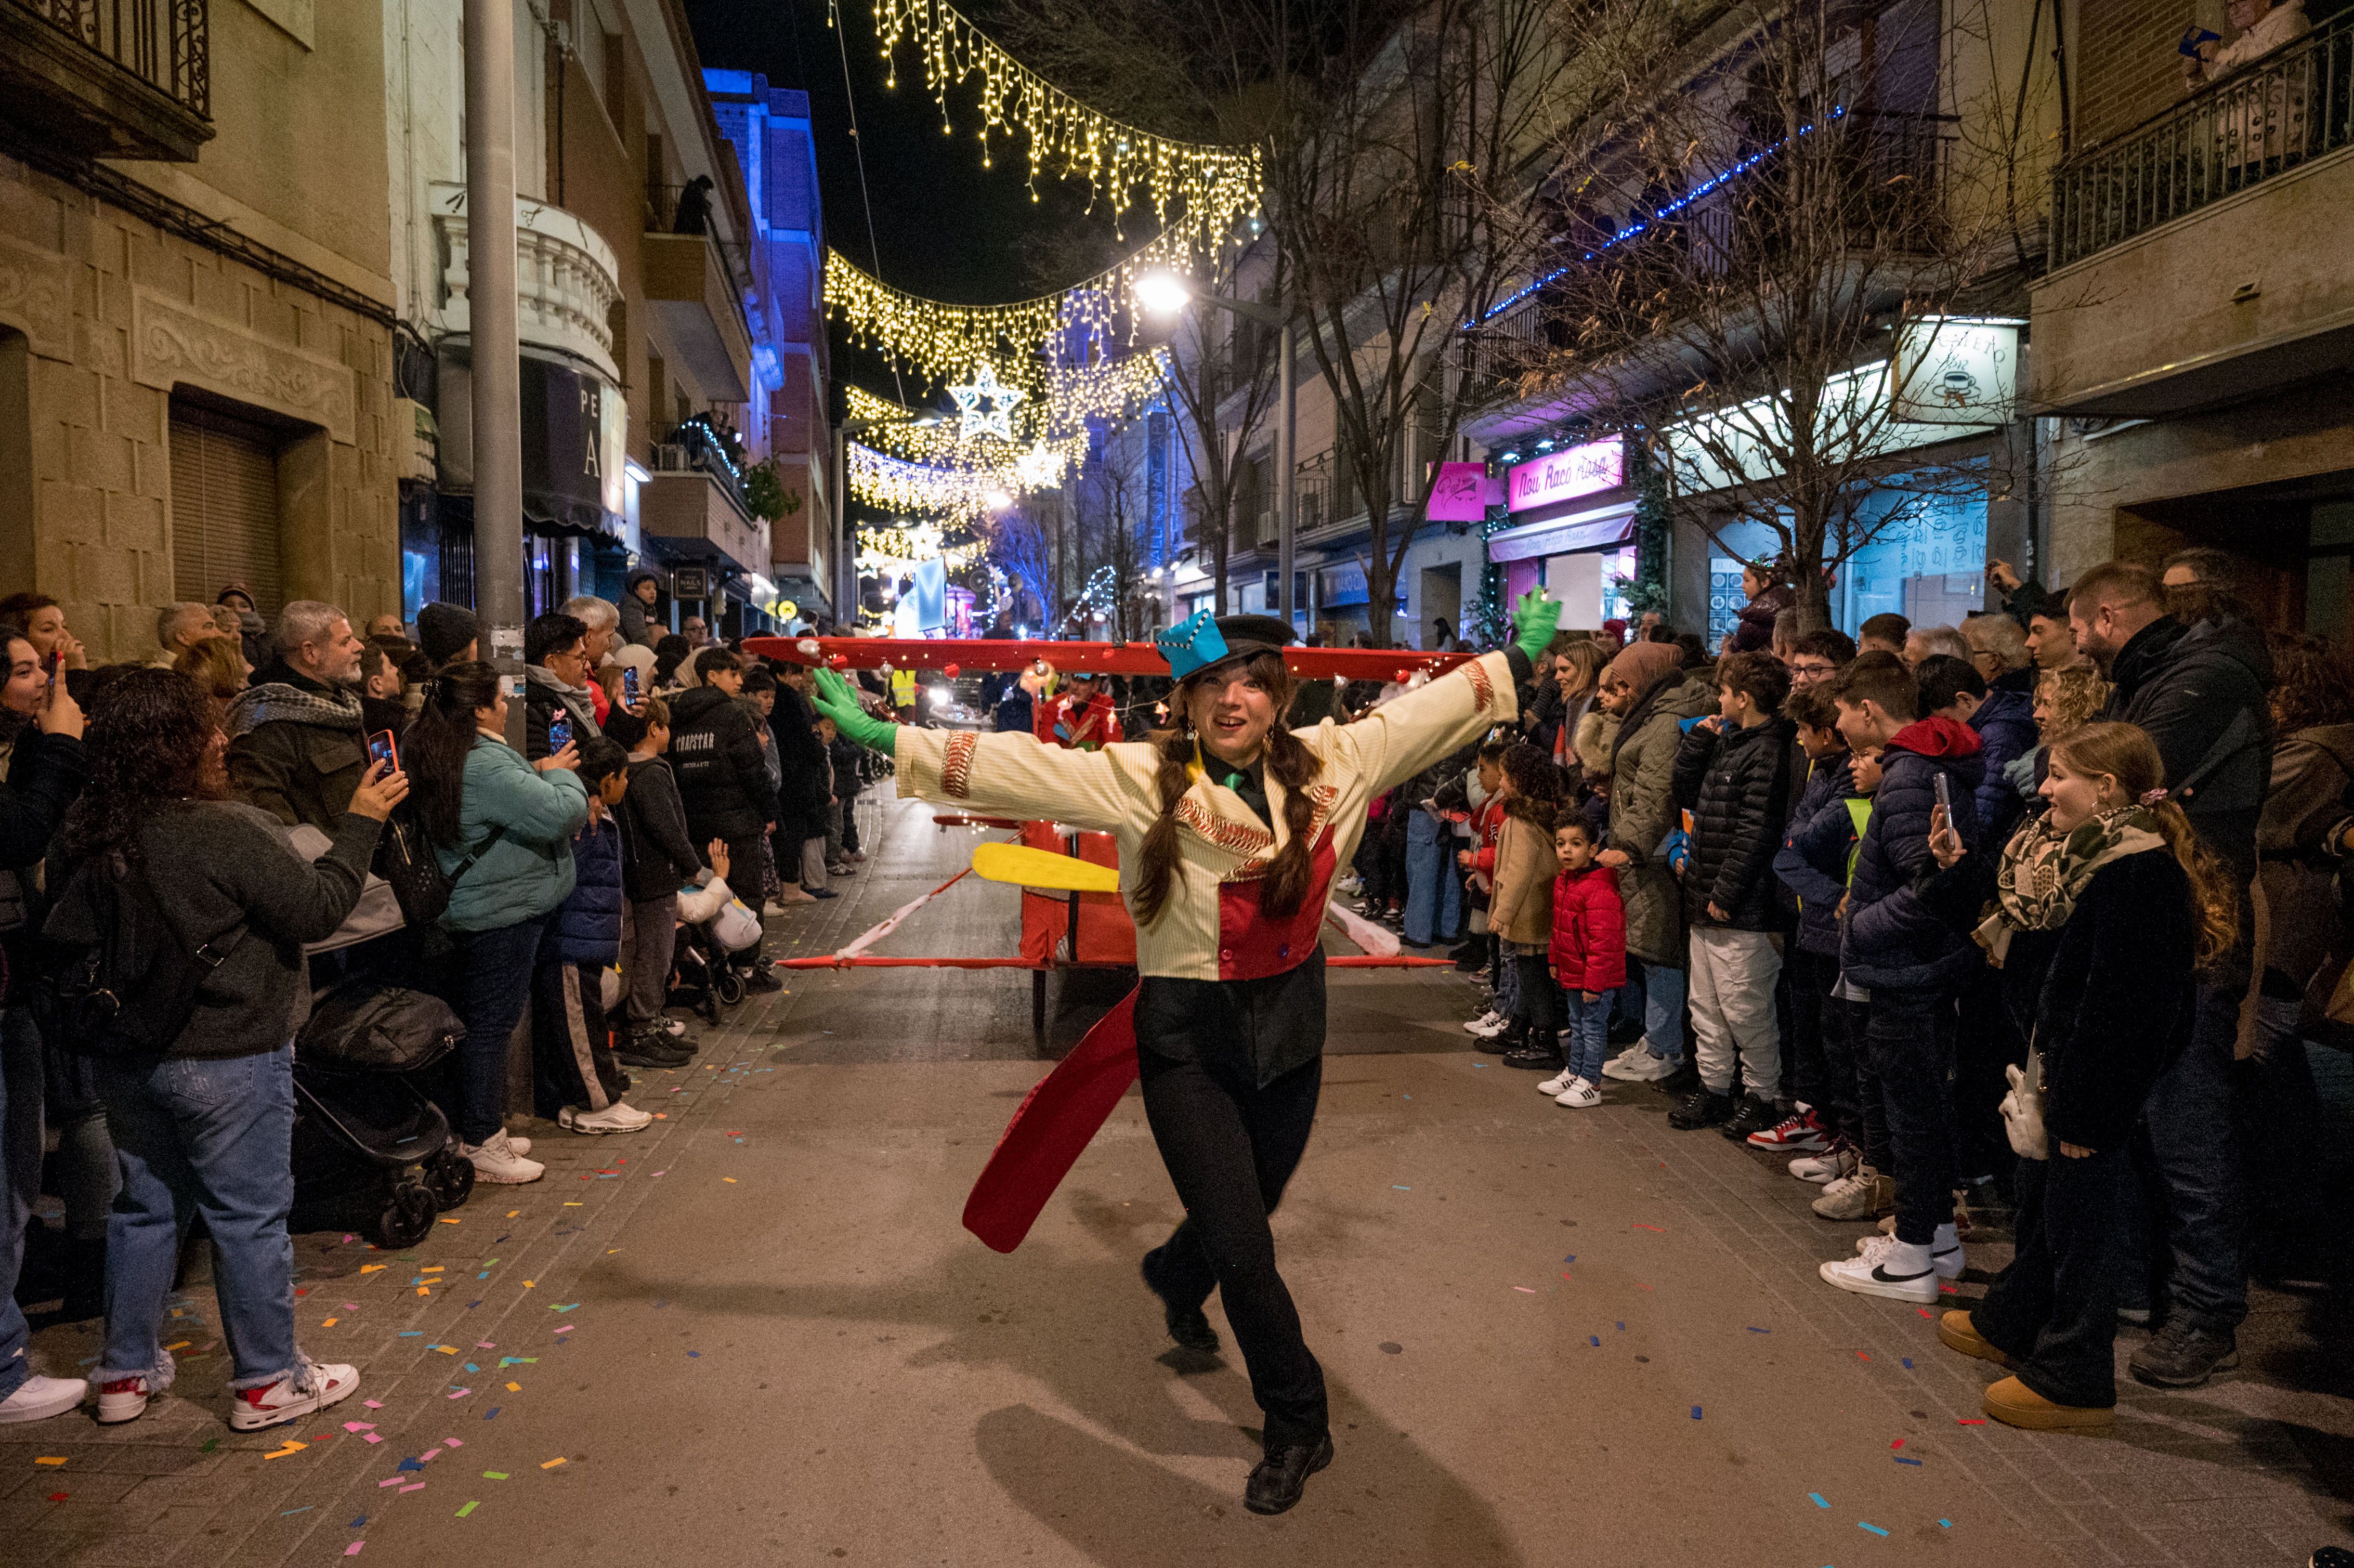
1157 867
1295 768
2214 901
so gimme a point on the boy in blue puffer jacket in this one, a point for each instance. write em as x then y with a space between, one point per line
1912 965
576 1082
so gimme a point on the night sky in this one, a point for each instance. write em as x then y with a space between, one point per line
946 228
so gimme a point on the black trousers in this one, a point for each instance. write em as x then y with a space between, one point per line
2054 1310
1540 999
1910 1036
1231 1145
1983 1043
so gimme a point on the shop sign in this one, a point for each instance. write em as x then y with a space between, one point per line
1462 492
1567 474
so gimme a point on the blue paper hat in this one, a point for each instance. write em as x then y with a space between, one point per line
1192 644
1206 640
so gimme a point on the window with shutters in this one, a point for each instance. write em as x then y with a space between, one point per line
225 518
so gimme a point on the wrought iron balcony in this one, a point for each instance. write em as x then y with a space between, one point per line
2264 119
125 78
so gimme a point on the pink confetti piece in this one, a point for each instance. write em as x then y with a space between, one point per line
351 1306
566 1330
1524 1289
387 1481
454 1442
427 1456
359 1426
370 1437
462 1393
405 1491
373 1403
354 1549
484 1345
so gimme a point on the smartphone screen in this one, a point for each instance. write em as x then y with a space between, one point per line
630 684
56 661
381 748
559 732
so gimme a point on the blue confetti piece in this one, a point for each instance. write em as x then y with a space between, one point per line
1903 1460
1406 1097
1571 1259
696 1353
1594 1340
412 1463
662 1303
1622 1327
1907 1361
1816 1498
484 1275
1867 1524
1395 1188
357 1522
502 1238
1944 1524
472 1305
472 1368
1755 1331
1695 1412
492 1413
410 1333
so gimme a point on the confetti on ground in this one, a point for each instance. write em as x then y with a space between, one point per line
1899 1443
1969 1421
1816 1498
354 1549
730 1179
462 1393
515 1388
405 1491
359 1426
454 1442
551 1463
473 1506
48 1461
291 1446
1525 1290
59 1497
1907 1361
495 1475
1922 1311
210 1443
1755 1331
567 1329
696 1353
566 1307
1639 1225
1903 1460
492 1413
289 1513
1695 1412
1867 1524
372 1267
1861 1356
1944 1524
1594 1340
373 1403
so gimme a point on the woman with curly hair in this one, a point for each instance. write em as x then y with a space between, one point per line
218 666
2099 914
204 1125
1229 827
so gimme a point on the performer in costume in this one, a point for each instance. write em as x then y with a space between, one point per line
1229 827
1080 716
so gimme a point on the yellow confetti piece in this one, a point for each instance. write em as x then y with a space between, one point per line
179 1345
433 1269
447 1221
515 1388
373 1267
446 1349
329 1322
62 1461
425 1290
529 1283
569 1204
728 1179
551 1463
512 1212
291 1448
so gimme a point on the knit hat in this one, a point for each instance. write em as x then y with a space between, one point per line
1642 664
443 631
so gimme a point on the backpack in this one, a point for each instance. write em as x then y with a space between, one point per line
407 861
132 991
364 1026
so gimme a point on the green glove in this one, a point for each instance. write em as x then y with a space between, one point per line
835 700
1533 619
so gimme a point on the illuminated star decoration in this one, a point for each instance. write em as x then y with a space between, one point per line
984 387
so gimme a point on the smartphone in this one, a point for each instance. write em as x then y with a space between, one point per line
1945 797
381 748
57 661
559 733
629 684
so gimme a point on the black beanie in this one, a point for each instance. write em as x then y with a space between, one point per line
443 631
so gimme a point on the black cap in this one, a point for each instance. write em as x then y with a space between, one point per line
444 630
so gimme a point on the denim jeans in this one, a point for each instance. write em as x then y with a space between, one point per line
2054 1310
20 1179
490 982
210 1138
1587 1045
1434 892
1663 1011
1910 1035
2191 1173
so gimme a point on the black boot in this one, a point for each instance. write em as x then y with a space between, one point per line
1277 1481
1189 1326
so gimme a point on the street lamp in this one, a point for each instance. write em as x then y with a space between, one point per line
1164 294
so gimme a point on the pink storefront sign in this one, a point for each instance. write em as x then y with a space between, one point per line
1462 493
1567 474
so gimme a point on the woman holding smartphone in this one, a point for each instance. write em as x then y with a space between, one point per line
502 829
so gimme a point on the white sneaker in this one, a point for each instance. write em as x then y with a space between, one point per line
615 1118
1858 1195
124 1401
313 1386
1945 1253
1581 1095
519 1145
674 1027
1488 1026
793 894
497 1162
1827 1166
1885 1273
1638 1066
1557 1083
39 1398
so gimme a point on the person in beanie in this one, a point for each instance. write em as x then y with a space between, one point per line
641 607
576 1082
447 635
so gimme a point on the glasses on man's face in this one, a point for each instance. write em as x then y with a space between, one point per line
1812 669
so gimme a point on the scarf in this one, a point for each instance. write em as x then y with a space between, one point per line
2045 870
280 702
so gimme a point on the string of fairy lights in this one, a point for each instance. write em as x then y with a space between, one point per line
1207 185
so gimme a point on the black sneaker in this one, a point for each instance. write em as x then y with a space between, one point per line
1755 1116
1683 1081
1701 1107
1536 1057
762 979
648 1051
1472 957
1277 1481
1189 1326
2179 1356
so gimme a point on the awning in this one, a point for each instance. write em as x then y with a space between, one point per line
1603 529
575 427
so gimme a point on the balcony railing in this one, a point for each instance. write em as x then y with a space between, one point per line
2262 120
161 42
690 449
566 279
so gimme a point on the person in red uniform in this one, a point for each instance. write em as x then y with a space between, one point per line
1080 716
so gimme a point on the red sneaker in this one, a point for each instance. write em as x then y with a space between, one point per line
124 1399
1793 1134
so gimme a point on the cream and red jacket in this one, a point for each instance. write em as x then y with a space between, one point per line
1212 927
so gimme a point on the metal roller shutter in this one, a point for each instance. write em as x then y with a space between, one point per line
224 506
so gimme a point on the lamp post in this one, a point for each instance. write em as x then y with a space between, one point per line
1165 293
492 341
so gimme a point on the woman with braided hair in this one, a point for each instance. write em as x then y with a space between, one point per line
1229 828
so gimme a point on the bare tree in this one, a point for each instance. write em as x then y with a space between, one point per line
1109 514
1220 382
1770 249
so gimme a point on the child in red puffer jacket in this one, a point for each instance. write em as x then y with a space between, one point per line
1589 958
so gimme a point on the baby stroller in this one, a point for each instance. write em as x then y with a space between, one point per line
370 1150
713 926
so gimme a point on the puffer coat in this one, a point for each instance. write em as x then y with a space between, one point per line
1893 939
1736 786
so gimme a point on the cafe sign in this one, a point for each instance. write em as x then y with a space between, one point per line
1567 474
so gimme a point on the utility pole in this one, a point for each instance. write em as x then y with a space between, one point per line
497 373
1286 468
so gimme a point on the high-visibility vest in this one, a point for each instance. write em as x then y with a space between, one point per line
1858 812
903 688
